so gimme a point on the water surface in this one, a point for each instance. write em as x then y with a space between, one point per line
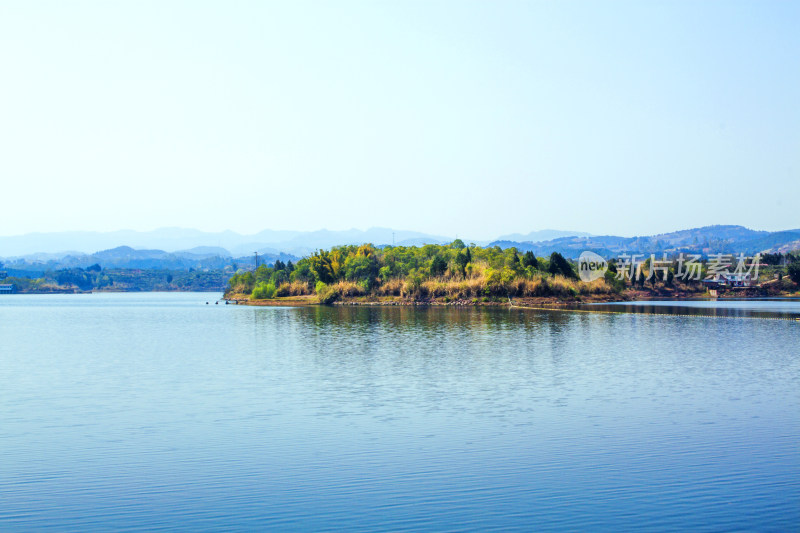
149 411
766 308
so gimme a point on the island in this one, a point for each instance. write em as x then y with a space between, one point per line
460 274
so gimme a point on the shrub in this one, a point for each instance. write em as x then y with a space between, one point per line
492 280
413 284
618 285
263 291
561 286
326 294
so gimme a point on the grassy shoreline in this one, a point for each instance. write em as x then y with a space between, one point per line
516 301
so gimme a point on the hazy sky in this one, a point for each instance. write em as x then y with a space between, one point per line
469 118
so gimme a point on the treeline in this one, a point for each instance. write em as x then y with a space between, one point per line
95 278
449 272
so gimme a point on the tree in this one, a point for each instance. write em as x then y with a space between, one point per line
278 277
361 268
794 271
77 277
438 265
559 265
302 272
529 260
320 265
461 261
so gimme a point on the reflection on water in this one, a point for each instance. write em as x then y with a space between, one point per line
153 411
787 309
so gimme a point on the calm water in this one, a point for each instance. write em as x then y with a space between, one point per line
783 308
153 411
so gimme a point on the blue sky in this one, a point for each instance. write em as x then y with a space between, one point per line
468 118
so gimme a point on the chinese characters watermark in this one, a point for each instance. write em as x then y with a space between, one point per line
724 269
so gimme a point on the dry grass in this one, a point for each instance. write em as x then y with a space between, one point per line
348 288
598 286
393 287
295 288
240 288
477 285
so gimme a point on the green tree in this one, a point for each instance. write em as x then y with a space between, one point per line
559 265
461 262
794 271
438 265
278 277
529 260
361 268
302 272
321 266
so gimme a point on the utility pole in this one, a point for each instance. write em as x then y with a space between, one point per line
392 239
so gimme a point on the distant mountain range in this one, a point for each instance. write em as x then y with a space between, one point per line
542 235
226 243
183 249
199 258
706 240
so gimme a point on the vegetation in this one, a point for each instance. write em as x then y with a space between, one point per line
95 278
794 271
471 274
453 272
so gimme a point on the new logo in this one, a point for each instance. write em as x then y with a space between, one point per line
591 266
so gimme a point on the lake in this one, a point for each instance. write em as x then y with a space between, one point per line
157 411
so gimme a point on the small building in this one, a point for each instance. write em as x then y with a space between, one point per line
734 281
6 289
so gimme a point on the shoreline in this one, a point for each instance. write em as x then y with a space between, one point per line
547 302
